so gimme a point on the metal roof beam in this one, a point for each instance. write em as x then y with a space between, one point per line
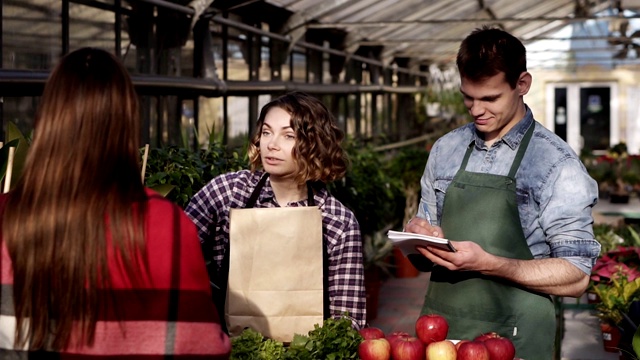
470 20
454 40
303 44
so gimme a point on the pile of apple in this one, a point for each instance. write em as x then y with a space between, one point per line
430 343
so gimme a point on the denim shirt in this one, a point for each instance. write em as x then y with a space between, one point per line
555 194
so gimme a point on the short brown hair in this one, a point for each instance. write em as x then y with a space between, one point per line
317 152
488 51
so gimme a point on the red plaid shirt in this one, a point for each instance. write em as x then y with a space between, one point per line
170 314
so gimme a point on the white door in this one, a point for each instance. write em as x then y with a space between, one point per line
585 115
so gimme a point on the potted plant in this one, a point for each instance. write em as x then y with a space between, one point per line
617 172
616 298
624 175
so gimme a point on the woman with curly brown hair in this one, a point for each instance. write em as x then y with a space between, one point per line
295 151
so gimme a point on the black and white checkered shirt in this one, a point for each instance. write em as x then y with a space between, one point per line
209 210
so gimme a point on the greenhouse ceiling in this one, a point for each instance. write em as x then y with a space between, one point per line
430 31
557 33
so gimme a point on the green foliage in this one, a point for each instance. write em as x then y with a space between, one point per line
616 298
180 172
368 190
407 165
635 342
336 339
616 171
606 235
219 159
450 100
251 345
175 166
611 237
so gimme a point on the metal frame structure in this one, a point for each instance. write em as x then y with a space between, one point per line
368 59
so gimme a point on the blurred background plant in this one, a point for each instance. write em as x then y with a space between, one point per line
617 172
374 196
178 173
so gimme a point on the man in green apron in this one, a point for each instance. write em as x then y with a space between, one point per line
514 199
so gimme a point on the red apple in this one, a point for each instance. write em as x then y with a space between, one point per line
431 328
485 336
374 349
441 350
473 350
396 335
500 348
460 343
407 348
371 333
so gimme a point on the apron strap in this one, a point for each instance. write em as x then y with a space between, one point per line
521 150
256 192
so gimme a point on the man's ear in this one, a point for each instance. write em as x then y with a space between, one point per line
524 83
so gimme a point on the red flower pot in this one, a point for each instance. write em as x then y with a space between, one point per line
610 337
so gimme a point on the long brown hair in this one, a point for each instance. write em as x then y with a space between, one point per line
318 150
80 182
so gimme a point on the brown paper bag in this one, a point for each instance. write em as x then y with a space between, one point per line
275 271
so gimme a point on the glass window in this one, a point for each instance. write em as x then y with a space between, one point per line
299 67
238 116
31 34
89 26
238 68
264 73
560 112
595 117
210 121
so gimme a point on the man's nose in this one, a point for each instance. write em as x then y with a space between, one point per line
476 109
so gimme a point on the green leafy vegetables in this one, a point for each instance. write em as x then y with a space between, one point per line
336 339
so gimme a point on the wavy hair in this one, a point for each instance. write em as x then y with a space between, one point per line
318 149
81 182
488 51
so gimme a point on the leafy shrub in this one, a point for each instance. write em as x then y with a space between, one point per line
375 198
187 171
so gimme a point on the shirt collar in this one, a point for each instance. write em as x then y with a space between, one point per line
515 135
267 195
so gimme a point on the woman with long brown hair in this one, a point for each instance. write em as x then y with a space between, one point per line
92 263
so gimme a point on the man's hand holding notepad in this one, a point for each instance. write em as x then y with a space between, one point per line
407 242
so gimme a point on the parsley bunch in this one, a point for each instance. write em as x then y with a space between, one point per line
336 339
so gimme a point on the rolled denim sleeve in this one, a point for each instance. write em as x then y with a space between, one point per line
427 209
566 215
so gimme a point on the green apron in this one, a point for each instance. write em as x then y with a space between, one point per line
483 208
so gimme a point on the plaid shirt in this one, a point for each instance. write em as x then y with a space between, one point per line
209 210
169 314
